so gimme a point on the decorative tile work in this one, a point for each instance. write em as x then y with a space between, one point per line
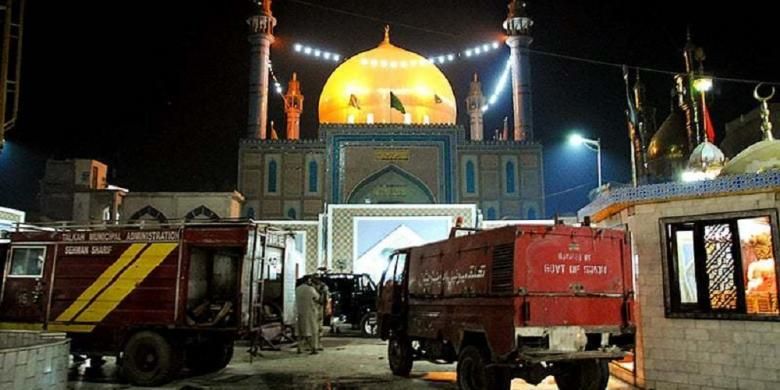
674 190
340 226
11 215
339 142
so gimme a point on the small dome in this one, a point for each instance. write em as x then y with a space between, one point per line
670 140
706 156
362 85
760 157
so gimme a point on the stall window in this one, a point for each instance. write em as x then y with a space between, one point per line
27 262
721 266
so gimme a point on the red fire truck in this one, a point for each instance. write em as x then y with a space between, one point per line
156 298
518 301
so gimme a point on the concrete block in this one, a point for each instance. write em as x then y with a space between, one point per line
723 358
724 382
763 374
711 369
707 324
21 357
747 338
750 384
662 385
697 334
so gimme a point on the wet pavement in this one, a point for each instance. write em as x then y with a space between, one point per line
347 363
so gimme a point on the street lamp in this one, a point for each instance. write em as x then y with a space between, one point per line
592 144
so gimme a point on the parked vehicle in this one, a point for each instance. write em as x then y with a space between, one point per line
353 299
157 299
519 301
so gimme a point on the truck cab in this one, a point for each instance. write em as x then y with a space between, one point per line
519 301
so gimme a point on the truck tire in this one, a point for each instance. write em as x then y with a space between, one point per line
582 375
368 325
210 356
400 355
150 360
472 371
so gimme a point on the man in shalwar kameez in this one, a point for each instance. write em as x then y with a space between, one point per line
306 302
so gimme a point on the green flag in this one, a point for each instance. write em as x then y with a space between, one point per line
353 101
396 103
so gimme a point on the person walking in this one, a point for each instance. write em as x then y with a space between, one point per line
324 293
306 302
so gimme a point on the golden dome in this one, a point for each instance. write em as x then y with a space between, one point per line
359 89
670 141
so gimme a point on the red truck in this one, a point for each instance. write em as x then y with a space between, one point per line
513 302
156 298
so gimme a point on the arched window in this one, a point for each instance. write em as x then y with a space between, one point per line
292 214
491 214
470 177
313 176
201 212
531 214
272 176
510 177
250 212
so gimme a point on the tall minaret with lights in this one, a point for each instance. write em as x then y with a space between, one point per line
474 102
293 106
518 29
261 36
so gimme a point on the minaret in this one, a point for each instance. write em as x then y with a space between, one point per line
474 102
293 106
518 28
261 28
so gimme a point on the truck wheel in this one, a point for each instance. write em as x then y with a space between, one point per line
150 360
368 325
399 355
472 374
210 356
582 375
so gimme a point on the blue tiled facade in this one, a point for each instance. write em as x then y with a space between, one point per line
675 190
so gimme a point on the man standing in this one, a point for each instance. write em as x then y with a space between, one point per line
306 302
324 293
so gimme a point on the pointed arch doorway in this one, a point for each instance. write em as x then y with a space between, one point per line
391 185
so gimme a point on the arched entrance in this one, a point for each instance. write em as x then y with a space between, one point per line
391 185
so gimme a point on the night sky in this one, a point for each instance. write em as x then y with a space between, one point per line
158 89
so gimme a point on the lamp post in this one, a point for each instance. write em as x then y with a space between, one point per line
592 144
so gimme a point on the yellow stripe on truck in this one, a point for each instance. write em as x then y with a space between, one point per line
50 327
127 282
100 283
70 328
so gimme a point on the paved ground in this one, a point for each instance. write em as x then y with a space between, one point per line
347 363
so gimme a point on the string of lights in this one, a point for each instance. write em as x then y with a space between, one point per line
474 51
316 52
500 86
470 52
277 84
